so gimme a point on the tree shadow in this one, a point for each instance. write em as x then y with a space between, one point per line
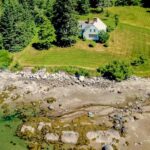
39 46
148 11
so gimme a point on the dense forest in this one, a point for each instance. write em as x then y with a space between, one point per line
46 22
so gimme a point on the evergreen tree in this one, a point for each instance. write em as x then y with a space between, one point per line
46 33
146 3
94 3
127 2
65 22
36 6
83 6
16 26
1 41
106 3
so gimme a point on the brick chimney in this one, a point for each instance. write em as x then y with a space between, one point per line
88 20
94 19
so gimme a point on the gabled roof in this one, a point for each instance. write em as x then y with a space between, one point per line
88 26
100 25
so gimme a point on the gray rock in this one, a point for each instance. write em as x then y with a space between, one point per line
130 104
69 137
123 130
90 114
51 137
50 107
107 147
27 128
81 78
43 124
117 126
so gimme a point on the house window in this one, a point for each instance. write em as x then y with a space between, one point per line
94 30
90 30
92 35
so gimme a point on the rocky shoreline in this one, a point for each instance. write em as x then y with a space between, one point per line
62 79
97 104
41 84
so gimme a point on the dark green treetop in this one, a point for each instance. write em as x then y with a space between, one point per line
65 22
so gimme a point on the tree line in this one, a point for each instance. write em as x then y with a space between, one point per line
46 22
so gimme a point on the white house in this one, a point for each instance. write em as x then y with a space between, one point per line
90 29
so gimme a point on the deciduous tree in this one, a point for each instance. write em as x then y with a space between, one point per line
46 33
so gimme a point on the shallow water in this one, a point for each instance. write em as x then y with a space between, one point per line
8 140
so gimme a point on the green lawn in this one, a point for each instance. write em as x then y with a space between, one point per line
64 57
136 16
130 39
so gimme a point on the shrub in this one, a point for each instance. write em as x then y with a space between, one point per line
92 44
116 71
103 36
84 39
81 36
98 10
82 72
5 59
116 19
107 13
16 67
138 61
73 71
110 28
36 69
106 44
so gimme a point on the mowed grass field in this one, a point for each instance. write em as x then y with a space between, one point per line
129 40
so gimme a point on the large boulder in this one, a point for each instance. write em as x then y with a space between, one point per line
27 128
69 137
102 136
43 124
51 137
